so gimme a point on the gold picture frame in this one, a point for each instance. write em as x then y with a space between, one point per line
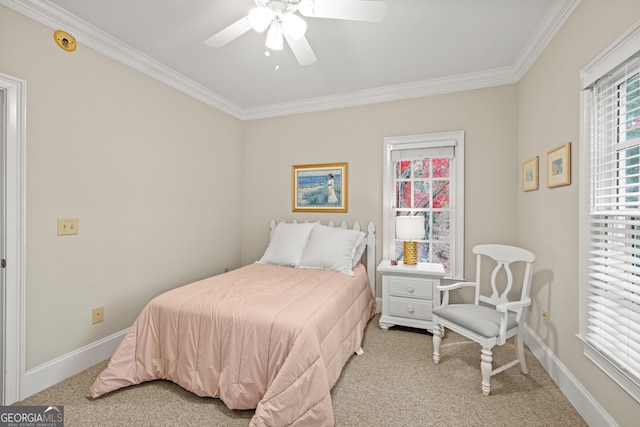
559 166
320 187
530 175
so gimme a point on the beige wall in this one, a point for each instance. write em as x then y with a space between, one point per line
549 115
355 135
151 173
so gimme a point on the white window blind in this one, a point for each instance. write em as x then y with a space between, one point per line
613 277
418 153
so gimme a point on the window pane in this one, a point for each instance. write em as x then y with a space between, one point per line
441 254
632 107
441 194
421 194
427 225
441 225
423 252
403 169
399 250
404 194
440 168
421 168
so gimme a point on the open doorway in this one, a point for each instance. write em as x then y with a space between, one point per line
12 227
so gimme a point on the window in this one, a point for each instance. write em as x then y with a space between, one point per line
424 176
610 236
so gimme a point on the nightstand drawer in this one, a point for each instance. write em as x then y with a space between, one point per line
409 294
407 308
409 287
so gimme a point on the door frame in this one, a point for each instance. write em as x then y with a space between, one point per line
13 357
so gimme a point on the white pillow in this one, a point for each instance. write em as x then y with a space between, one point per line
332 248
357 256
287 244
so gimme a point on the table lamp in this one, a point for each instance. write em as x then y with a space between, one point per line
410 229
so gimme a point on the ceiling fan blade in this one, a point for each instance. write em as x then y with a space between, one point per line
229 33
354 10
301 49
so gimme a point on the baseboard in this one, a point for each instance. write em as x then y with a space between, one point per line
57 370
70 364
579 397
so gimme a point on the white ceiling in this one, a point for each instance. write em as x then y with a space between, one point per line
421 47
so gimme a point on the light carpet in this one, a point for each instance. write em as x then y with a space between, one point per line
394 383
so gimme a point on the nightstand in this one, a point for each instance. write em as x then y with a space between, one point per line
409 294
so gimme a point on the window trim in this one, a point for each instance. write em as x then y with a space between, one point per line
612 57
455 139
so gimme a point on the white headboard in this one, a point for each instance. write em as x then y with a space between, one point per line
370 252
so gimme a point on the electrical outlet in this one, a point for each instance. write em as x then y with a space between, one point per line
67 226
545 316
98 315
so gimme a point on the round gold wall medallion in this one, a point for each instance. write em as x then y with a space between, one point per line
65 40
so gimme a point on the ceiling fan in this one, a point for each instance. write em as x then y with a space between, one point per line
282 19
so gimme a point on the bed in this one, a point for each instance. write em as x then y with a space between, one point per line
273 335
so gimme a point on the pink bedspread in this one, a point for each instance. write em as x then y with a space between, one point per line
263 336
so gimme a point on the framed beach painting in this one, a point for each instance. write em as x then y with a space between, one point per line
319 188
559 166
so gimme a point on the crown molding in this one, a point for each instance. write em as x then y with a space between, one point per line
450 84
54 17
546 30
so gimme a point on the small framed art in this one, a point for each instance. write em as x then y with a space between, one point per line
559 166
319 188
530 174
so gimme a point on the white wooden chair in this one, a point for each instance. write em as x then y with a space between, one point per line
493 319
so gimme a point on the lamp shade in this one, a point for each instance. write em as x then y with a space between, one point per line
410 227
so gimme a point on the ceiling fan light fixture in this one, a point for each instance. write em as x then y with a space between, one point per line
260 18
294 25
306 6
284 19
274 36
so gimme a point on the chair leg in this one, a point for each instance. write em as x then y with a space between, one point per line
520 354
485 367
437 338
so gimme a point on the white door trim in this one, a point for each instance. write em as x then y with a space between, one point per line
14 292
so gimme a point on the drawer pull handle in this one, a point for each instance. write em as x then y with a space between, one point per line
410 310
410 290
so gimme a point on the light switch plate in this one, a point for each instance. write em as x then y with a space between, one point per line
67 226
